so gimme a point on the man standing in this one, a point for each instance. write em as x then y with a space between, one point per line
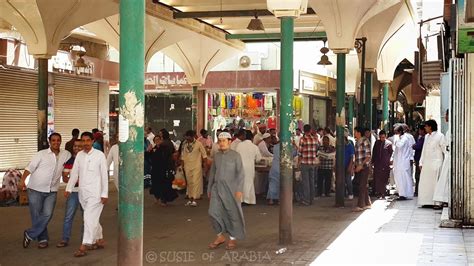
418 147
91 166
264 144
69 145
72 202
250 154
402 165
239 137
381 156
45 168
326 155
259 136
150 136
431 162
362 162
348 163
225 187
307 160
443 187
193 157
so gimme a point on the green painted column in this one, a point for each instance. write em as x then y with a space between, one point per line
340 123
194 108
350 116
131 136
42 114
286 115
385 107
368 99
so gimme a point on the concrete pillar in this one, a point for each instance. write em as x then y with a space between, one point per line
43 103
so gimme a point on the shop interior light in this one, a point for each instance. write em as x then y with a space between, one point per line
256 24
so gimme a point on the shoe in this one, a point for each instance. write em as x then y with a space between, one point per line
351 197
26 240
194 204
43 245
188 203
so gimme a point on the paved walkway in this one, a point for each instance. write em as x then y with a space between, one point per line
177 235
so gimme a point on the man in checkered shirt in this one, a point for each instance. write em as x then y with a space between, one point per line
327 155
307 162
362 163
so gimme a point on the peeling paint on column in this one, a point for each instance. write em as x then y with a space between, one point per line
134 112
341 118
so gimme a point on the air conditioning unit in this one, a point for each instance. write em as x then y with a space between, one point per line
249 61
287 8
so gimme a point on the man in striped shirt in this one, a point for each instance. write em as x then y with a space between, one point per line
362 163
307 162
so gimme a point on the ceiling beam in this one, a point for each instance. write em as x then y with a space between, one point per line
229 13
266 37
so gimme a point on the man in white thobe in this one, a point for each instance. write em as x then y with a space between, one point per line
250 154
91 166
442 192
401 164
239 137
431 162
263 146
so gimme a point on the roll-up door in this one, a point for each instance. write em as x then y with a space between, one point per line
18 117
75 105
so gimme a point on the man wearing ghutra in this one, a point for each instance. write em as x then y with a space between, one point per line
226 181
193 155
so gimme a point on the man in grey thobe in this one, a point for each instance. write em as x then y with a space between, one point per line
225 187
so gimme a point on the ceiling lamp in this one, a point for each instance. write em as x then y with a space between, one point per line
80 61
324 58
255 24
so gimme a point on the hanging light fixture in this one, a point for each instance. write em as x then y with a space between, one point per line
255 24
324 58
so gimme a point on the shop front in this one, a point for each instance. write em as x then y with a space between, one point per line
232 99
317 96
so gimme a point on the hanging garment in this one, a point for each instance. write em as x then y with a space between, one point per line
268 102
223 103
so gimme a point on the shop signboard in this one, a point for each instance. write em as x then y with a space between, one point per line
313 84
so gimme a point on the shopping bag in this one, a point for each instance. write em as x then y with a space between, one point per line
179 182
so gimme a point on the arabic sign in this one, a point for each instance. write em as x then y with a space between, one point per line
166 80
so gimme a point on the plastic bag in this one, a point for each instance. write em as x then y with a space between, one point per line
179 182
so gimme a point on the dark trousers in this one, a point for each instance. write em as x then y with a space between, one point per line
417 176
324 181
363 199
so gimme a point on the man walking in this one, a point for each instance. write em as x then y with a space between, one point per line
72 202
91 166
382 154
362 161
307 160
431 162
225 187
193 156
45 169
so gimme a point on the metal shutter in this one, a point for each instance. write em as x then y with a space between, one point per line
18 117
75 105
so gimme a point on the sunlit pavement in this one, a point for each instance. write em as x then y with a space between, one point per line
177 235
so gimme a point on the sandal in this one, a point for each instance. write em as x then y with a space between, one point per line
357 209
216 244
80 253
43 245
62 244
232 244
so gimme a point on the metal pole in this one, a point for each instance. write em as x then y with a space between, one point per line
385 107
351 114
131 100
42 114
360 46
340 122
368 99
286 115
194 108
